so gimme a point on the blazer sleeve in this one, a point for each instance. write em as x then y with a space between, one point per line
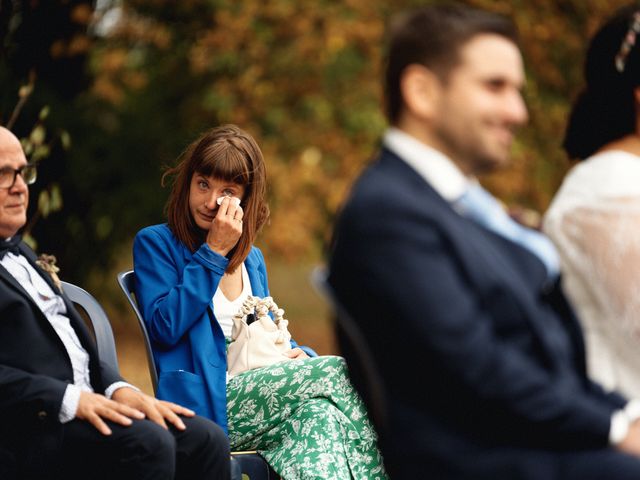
29 393
109 375
173 299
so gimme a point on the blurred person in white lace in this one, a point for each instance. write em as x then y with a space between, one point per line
594 218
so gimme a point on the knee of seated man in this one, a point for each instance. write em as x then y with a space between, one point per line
205 434
151 440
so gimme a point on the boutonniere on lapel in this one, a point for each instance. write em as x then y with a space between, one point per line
48 264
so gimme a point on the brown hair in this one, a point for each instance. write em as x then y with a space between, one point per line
230 154
432 36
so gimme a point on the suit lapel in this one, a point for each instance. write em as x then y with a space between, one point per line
38 314
72 314
486 245
13 283
482 252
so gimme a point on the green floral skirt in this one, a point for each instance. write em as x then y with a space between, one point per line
305 419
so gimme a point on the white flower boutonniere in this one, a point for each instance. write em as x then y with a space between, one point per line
48 264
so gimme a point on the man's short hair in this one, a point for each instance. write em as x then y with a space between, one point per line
432 36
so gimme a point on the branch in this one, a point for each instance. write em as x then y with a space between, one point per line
24 93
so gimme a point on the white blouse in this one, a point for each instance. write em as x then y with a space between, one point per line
224 309
594 220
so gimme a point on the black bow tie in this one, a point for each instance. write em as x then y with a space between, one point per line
10 246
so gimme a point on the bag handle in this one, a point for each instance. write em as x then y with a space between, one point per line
262 307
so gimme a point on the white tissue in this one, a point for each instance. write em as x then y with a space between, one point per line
234 200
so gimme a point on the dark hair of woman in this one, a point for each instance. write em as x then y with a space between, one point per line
606 109
227 153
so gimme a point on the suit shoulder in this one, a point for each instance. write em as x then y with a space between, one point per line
385 187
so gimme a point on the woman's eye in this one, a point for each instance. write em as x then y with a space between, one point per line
203 185
228 192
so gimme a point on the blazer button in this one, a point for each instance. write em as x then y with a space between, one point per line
42 415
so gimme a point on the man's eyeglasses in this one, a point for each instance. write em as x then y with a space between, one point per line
8 175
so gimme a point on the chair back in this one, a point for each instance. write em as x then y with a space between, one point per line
127 282
99 321
353 345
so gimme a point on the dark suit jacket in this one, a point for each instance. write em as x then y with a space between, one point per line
483 366
35 370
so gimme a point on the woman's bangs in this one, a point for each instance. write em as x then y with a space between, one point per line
227 164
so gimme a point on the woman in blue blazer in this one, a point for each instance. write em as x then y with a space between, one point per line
192 275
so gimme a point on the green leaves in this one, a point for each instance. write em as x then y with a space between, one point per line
50 200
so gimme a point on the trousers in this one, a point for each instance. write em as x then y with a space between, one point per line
143 450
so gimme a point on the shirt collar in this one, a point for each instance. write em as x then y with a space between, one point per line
437 169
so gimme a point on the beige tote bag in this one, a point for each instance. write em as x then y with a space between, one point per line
261 343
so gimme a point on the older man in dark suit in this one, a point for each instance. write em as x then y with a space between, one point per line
481 357
64 413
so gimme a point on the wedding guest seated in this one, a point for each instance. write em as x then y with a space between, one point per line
193 274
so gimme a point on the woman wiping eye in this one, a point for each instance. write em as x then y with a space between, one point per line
193 274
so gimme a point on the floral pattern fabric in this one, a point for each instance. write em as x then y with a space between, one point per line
304 417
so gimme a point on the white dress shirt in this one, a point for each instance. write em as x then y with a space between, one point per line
436 168
451 184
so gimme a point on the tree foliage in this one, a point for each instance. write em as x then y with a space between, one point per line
304 77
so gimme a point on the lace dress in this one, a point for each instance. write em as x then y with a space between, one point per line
594 220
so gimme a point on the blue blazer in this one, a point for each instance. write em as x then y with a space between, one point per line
464 313
174 289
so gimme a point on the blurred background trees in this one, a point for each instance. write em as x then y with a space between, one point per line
134 81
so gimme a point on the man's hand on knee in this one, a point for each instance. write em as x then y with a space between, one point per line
95 408
158 411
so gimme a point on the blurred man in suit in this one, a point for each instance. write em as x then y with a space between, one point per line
63 412
481 357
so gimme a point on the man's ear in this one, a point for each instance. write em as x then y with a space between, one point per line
420 89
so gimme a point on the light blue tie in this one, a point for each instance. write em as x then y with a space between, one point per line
479 205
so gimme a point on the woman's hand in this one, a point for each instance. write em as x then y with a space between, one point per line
226 227
296 353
